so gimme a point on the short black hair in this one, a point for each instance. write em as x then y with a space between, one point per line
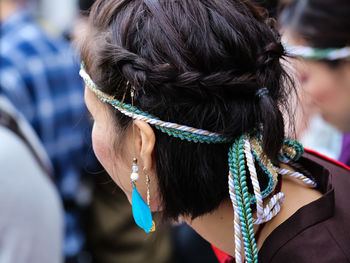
197 63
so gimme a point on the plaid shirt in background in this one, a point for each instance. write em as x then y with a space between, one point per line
40 76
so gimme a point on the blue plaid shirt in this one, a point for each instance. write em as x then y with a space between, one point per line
39 74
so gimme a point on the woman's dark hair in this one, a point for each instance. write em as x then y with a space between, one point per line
270 5
197 63
321 23
85 5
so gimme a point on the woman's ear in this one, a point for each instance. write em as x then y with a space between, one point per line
145 144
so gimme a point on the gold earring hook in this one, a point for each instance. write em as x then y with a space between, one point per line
123 98
148 181
147 185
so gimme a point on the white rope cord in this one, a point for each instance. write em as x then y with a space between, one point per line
274 205
264 214
301 168
154 121
296 175
236 221
165 124
272 208
304 176
254 178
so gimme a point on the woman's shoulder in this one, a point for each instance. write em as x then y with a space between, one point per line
320 230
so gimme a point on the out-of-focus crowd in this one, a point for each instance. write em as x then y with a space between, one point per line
57 204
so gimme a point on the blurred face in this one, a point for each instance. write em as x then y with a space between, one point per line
328 88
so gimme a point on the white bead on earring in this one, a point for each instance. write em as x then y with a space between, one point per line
134 175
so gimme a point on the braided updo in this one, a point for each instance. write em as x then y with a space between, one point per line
198 63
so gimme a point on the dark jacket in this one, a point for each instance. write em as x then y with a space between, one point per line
318 232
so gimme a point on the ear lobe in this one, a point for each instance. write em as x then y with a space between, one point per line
146 144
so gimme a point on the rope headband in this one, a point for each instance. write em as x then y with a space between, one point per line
173 129
318 53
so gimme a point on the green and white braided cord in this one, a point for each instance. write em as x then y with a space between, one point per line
180 131
318 53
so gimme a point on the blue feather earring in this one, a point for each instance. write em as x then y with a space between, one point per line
140 209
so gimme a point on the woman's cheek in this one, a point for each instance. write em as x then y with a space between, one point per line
100 145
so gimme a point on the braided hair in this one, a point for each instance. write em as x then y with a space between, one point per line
198 63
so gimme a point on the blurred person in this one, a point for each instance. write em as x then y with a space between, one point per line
39 75
194 129
31 222
317 31
310 128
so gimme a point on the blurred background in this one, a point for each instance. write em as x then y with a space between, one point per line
60 205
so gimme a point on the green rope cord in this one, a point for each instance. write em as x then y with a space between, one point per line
234 167
237 168
128 107
243 181
183 135
287 143
294 144
269 188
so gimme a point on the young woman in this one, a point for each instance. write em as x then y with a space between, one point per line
186 98
317 31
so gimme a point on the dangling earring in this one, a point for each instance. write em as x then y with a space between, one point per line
149 197
140 210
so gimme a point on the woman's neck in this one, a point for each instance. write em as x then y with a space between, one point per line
217 227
